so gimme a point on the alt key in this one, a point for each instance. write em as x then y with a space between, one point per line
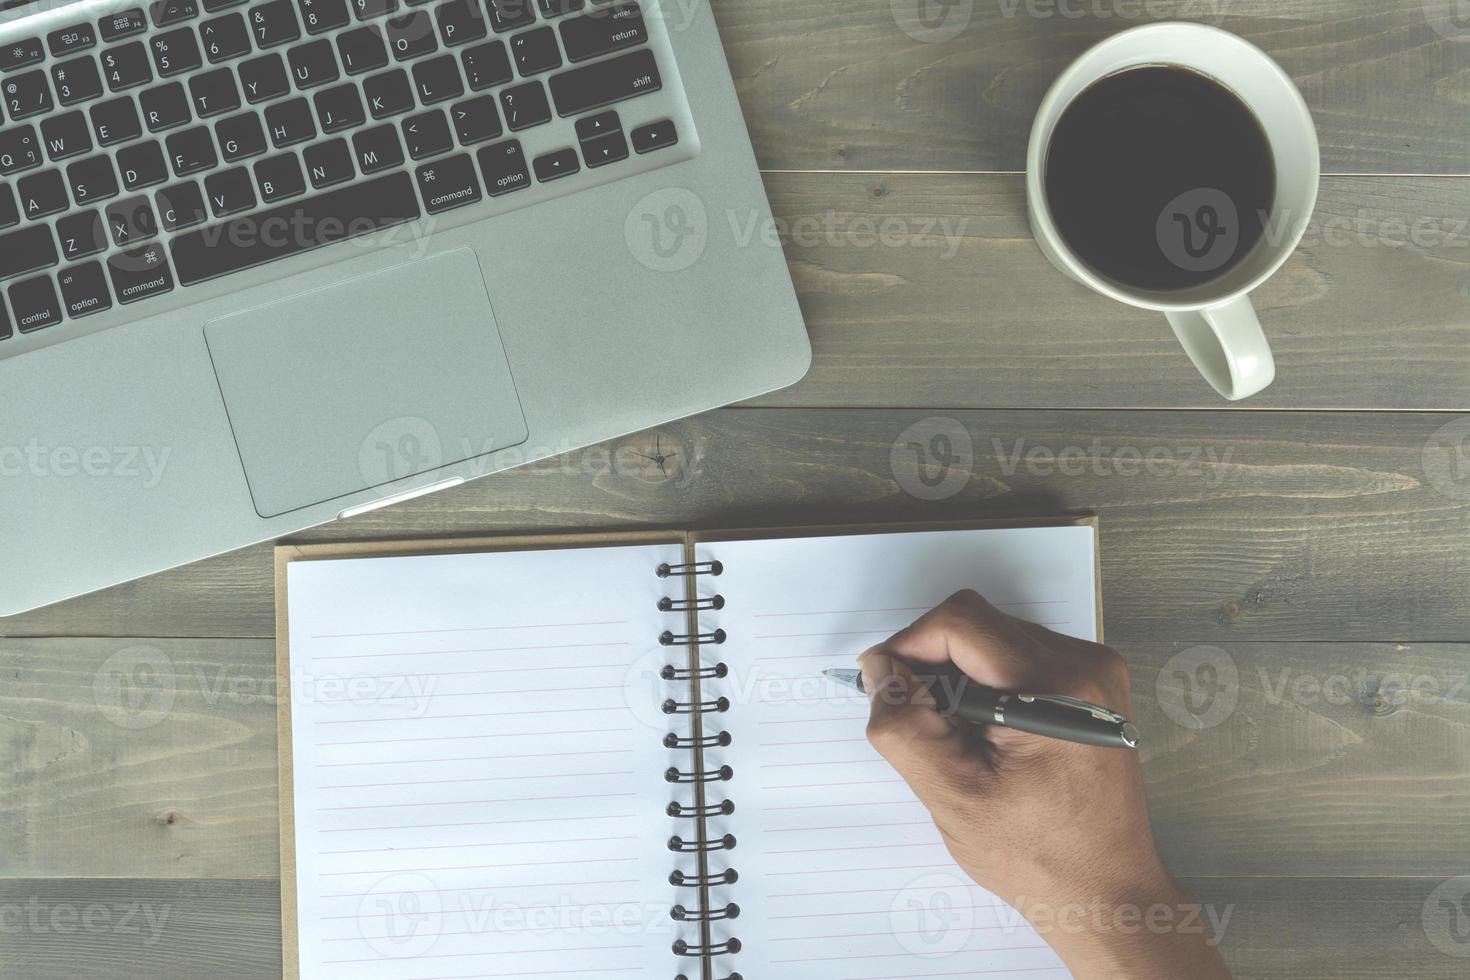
84 290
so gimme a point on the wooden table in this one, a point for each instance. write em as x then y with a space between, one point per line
1278 571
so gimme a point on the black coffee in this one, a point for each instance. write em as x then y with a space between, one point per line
1160 178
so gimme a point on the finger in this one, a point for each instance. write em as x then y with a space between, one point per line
905 727
983 642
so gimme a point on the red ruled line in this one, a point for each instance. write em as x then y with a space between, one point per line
880 956
439 653
458 738
855 782
864 849
485 779
969 973
446 867
888 911
469 758
472 823
831 806
537 884
499 952
533 973
838 871
844 826
472 629
514 799
815 741
498 714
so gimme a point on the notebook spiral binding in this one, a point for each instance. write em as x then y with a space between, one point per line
697 704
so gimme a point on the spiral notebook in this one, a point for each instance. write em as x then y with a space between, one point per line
615 756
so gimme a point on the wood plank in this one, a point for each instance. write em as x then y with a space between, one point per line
156 758
1275 928
928 291
1304 526
840 85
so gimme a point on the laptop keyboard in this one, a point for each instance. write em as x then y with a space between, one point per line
170 145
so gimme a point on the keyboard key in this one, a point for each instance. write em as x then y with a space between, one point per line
224 38
486 65
115 121
6 330
264 78
9 210
322 15
141 165
191 151
19 150
321 219
76 80
475 120
166 12
449 183
124 24
42 194
605 82
460 22
34 305
229 192
507 15
412 36
81 235
655 136
69 40
164 107
554 166
525 106
312 64
377 149
290 123
388 94
84 290
328 163
181 206
369 9
362 50
556 8
140 274
92 179
437 80
26 250
27 95
504 168
274 23
339 108
279 177
605 149
214 93
66 135
427 134
214 6
130 221
591 127
240 137
126 66
535 51
18 54
175 52
604 32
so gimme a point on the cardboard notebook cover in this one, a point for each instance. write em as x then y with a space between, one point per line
285 554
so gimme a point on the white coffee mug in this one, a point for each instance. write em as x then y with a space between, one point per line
1214 321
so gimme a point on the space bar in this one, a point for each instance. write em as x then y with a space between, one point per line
299 226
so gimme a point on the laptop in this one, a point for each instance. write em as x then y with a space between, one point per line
266 264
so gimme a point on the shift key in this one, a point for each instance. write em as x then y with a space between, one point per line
605 82
26 251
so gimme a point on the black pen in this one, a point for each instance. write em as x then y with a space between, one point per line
1052 715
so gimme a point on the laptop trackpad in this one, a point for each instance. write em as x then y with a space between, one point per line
365 382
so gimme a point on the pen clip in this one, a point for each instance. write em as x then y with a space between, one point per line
1097 711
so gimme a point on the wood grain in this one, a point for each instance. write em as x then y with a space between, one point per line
1276 929
160 754
928 291
1303 527
840 85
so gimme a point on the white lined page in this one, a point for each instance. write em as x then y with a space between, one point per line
478 766
842 873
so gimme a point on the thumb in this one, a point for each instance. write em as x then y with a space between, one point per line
905 726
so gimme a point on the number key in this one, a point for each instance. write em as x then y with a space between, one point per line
27 95
76 80
323 15
175 52
126 66
224 38
274 23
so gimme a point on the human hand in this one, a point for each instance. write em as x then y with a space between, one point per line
1058 830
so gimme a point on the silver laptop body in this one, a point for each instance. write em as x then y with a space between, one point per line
269 323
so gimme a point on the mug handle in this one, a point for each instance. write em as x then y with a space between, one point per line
1228 347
